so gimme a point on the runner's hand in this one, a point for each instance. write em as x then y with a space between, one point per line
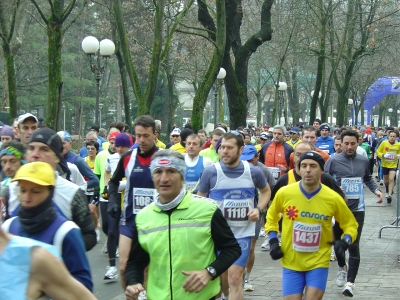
340 247
276 251
104 194
132 291
113 211
254 215
196 281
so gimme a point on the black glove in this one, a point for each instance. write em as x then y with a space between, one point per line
113 210
275 250
104 194
340 247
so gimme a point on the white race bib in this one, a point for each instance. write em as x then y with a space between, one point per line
142 197
275 172
306 237
235 212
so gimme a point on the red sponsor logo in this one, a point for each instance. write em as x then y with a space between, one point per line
164 162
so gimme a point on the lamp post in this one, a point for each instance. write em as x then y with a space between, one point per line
350 102
95 50
217 85
282 87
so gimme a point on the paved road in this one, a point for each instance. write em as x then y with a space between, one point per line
378 277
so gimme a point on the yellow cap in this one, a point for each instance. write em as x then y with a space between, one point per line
37 172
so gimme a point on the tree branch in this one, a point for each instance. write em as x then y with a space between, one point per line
198 34
75 18
173 28
197 28
40 11
68 10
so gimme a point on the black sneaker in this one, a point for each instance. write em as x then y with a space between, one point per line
389 199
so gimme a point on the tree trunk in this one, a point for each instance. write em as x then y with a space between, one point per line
11 81
124 87
200 98
54 34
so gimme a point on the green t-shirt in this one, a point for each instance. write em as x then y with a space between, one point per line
100 166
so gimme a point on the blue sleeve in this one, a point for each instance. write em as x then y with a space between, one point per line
87 172
83 152
205 180
74 257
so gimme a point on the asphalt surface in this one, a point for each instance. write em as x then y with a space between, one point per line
378 276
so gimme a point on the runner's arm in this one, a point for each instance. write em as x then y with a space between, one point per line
137 261
113 184
225 242
83 218
54 279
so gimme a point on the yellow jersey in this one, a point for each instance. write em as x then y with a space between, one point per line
386 147
307 225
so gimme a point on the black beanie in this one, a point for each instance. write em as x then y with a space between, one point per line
49 137
314 156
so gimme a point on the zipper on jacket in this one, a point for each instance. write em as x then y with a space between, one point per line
170 256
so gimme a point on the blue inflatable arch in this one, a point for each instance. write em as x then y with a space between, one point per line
377 91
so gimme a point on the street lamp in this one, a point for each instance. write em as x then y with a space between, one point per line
217 85
94 49
319 94
282 87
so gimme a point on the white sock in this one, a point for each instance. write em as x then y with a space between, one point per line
247 276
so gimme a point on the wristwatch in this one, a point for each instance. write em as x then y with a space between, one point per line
212 272
260 210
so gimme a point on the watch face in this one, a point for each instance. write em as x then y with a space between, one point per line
212 271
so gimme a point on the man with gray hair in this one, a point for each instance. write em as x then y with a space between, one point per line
90 136
275 154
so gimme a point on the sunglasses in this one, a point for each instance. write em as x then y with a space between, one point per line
175 136
91 148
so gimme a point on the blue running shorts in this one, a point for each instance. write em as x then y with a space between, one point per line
244 244
293 282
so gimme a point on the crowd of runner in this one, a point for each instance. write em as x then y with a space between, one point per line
182 218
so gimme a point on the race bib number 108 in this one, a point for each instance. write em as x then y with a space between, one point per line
142 197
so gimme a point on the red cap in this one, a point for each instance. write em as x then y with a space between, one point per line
113 135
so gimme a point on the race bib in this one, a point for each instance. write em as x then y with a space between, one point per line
392 156
275 172
142 197
235 212
353 187
306 237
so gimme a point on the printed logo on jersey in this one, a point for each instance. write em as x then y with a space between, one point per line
310 215
292 212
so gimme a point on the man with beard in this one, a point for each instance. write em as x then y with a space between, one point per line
236 202
351 171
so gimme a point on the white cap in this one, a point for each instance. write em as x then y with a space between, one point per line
271 129
176 131
22 118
